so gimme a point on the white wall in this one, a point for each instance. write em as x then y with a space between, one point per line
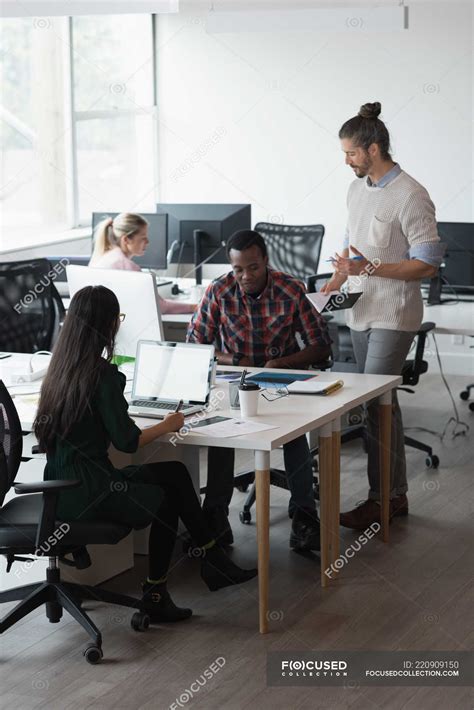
253 117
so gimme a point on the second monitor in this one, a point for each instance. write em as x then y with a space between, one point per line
197 233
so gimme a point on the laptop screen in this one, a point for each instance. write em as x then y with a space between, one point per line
173 371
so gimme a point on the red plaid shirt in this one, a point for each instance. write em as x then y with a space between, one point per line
262 328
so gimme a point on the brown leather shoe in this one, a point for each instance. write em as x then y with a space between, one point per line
362 517
399 506
368 512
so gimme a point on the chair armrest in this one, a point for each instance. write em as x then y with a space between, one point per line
426 327
45 486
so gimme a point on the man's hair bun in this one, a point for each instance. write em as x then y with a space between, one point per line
370 110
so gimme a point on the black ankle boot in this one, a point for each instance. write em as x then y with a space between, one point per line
158 604
218 570
305 531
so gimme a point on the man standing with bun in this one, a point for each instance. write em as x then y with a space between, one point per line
391 244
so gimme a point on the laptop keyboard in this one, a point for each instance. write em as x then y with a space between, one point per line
154 405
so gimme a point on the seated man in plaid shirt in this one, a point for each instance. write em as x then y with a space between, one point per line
252 315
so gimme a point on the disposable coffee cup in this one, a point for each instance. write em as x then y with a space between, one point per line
249 393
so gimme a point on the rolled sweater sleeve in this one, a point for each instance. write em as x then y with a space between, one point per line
113 409
418 222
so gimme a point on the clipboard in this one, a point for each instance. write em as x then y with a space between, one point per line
334 301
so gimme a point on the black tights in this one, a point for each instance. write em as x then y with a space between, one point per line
180 501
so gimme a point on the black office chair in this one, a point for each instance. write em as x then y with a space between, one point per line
30 306
28 526
294 250
465 394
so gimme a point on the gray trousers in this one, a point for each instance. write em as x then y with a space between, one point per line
382 352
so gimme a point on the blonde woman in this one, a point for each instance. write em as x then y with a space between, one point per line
117 241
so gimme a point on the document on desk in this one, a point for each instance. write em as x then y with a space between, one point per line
227 427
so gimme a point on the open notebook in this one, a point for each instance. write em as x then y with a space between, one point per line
315 386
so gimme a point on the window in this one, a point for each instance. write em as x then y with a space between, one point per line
32 105
114 113
78 120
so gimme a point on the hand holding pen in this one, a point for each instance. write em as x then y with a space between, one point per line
175 420
350 265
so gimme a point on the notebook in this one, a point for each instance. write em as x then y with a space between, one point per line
315 386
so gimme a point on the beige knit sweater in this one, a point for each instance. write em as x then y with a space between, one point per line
384 223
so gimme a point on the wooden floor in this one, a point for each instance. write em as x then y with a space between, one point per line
411 595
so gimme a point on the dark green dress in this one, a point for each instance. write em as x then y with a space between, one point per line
107 493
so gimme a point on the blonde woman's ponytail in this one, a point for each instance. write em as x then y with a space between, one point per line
104 239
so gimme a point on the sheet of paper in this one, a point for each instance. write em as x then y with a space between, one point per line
233 427
319 300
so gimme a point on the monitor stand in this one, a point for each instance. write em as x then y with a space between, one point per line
198 234
434 294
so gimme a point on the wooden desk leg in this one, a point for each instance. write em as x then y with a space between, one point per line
336 489
325 474
262 499
385 430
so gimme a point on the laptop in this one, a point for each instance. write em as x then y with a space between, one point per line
166 373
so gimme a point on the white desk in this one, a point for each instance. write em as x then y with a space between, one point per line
451 318
296 415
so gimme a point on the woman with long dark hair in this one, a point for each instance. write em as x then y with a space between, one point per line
81 411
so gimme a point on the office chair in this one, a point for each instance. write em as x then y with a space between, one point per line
28 526
30 306
294 250
465 394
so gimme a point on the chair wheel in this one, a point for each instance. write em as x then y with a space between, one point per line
140 621
93 654
432 461
243 487
471 406
464 395
245 517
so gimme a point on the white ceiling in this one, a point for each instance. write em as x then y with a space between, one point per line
67 7
189 5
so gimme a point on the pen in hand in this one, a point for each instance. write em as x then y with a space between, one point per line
352 258
178 406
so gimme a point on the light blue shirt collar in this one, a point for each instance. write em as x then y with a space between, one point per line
388 177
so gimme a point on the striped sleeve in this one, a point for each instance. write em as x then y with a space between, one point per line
204 324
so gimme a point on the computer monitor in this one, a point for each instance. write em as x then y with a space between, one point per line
138 298
198 233
156 251
458 262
